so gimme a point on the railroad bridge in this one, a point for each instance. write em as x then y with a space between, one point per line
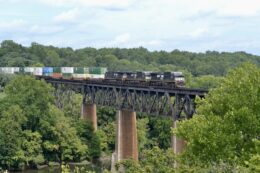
128 99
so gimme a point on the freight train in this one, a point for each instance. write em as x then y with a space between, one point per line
169 79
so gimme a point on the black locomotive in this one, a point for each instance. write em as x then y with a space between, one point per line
173 79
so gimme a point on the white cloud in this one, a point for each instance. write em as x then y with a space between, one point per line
121 39
67 16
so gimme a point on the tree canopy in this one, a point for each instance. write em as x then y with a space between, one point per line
227 124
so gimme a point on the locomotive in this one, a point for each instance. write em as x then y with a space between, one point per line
172 79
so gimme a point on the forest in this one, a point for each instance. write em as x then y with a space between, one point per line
223 136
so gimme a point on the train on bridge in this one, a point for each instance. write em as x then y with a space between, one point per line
169 79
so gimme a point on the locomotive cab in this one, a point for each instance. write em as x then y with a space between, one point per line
145 75
156 76
177 77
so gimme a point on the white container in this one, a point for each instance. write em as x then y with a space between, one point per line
67 70
97 76
37 71
28 69
81 76
8 70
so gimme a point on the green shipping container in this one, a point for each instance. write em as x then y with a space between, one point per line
97 70
56 70
81 70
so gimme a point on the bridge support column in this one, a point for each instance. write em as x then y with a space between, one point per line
126 136
89 113
178 144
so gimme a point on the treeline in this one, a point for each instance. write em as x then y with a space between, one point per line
134 59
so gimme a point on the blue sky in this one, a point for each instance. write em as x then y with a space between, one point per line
192 25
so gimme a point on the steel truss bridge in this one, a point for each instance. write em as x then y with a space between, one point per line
177 103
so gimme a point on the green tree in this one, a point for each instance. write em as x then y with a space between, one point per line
34 96
11 137
227 122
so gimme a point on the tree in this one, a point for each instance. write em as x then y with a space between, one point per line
11 138
34 96
32 129
227 122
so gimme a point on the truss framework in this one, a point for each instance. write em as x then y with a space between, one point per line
151 101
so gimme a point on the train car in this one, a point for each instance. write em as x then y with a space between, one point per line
172 79
176 77
47 71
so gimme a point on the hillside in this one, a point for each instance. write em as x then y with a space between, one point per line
209 63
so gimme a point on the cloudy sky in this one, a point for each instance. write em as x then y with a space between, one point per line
192 25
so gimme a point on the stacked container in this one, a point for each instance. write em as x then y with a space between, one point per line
57 72
8 70
47 71
97 72
67 72
29 70
81 73
37 71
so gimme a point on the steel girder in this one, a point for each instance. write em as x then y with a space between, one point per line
153 103
177 103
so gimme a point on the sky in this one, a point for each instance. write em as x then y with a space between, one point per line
190 25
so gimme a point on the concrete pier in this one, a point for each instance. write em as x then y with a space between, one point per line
126 135
89 113
178 144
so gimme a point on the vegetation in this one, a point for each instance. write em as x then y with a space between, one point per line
39 128
222 137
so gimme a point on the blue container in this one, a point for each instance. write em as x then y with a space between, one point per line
47 71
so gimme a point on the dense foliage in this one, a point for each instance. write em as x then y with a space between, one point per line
209 63
33 130
227 125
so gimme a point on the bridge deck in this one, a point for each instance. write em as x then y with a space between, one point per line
126 86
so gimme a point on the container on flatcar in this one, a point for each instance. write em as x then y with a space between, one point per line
56 69
56 72
8 70
37 71
81 76
97 70
29 70
47 71
79 70
67 70
97 76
